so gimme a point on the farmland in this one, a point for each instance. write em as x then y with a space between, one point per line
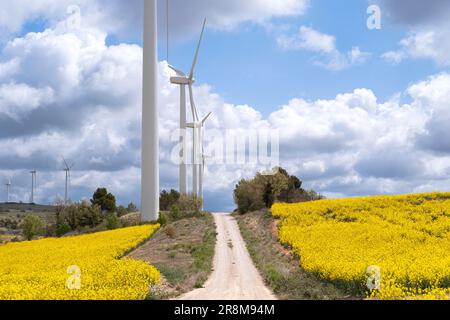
45 269
400 243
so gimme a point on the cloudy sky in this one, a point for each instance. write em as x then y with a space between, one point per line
359 111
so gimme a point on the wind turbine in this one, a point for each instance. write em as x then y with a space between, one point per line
8 187
203 159
150 138
198 156
184 80
67 169
33 184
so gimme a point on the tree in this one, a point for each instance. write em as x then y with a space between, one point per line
81 215
264 190
105 200
71 217
89 216
248 196
32 226
132 208
168 199
121 211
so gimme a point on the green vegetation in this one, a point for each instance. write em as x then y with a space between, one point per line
173 201
264 190
32 226
112 221
132 208
168 199
105 200
121 211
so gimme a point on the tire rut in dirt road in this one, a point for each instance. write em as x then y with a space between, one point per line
234 277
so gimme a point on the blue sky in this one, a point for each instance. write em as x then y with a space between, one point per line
360 111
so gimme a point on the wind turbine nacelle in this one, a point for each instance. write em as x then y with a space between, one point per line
180 80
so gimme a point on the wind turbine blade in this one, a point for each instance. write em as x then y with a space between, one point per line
191 74
206 118
193 107
65 162
177 71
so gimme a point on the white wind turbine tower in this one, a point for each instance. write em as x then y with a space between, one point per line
8 187
203 159
67 169
198 156
33 184
184 80
150 138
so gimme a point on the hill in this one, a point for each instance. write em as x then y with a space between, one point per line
26 207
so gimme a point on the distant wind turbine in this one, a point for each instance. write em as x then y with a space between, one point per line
67 169
8 187
184 80
203 159
33 184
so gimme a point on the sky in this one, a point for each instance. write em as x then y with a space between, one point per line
359 111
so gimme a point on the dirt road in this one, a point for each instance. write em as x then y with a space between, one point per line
234 276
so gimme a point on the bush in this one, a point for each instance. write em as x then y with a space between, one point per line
112 221
32 226
189 203
80 215
122 211
248 196
175 212
162 220
89 216
264 190
170 232
62 230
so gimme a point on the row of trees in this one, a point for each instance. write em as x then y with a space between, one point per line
99 213
170 199
264 190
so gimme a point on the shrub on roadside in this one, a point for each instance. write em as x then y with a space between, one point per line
170 231
175 212
162 220
264 190
188 203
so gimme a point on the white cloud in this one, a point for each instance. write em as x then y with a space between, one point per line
17 100
309 39
325 45
124 18
432 44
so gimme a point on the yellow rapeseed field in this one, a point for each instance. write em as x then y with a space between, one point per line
84 267
398 246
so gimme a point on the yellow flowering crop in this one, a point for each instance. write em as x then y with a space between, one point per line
87 267
406 238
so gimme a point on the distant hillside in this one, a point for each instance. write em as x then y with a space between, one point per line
26 207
